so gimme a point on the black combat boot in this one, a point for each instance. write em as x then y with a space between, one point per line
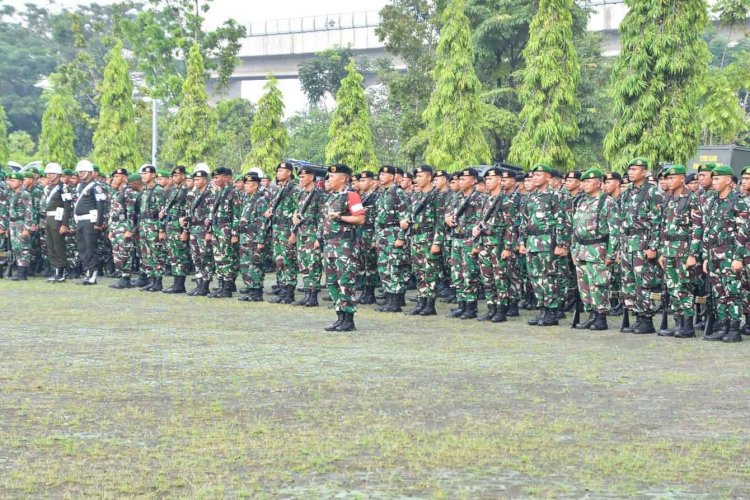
257 295
549 318
720 329
669 332
600 323
615 307
491 311
386 302
733 333
313 300
178 285
450 297
289 299
585 325
401 299
232 285
429 308
395 306
146 287
212 294
142 281
746 328
513 309
421 303
458 311
22 274
52 277
686 329
471 310
645 326
530 301
303 301
370 297
559 313
122 283
198 283
347 325
501 314
535 321
333 326
158 285
225 292
280 298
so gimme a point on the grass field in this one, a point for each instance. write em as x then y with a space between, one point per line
125 393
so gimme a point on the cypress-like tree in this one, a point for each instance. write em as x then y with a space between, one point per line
115 136
549 115
454 115
4 150
193 135
722 117
268 134
656 81
57 137
349 134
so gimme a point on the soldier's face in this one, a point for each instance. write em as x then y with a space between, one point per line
189 182
199 182
705 180
365 185
306 179
610 186
721 182
118 180
147 177
541 179
492 182
386 178
572 184
745 185
239 185
592 186
466 182
52 178
440 182
338 180
14 184
693 186
636 173
251 187
675 182
74 179
178 178
86 176
423 179
282 175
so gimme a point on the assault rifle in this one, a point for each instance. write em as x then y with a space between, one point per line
490 213
459 212
313 194
420 208
282 194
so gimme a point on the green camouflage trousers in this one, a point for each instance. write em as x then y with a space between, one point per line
680 285
309 260
20 245
122 251
201 252
225 256
341 273
251 264
152 250
593 285
542 268
71 248
493 272
367 258
640 277
426 268
726 288
391 262
285 257
178 251
467 279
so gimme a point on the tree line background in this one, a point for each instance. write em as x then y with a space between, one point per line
485 81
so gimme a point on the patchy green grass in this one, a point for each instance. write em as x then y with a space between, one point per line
113 393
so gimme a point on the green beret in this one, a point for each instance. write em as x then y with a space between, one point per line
709 166
592 173
541 167
16 175
722 170
746 170
163 173
33 170
28 174
68 171
97 169
638 162
675 170
134 177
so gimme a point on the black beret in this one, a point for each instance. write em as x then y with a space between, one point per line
200 173
400 170
691 178
469 172
252 177
366 174
356 177
573 175
148 169
613 176
179 168
306 170
556 174
520 177
285 165
388 169
121 171
424 168
442 173
493 172
339 168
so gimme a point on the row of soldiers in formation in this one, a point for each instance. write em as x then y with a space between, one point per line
595 241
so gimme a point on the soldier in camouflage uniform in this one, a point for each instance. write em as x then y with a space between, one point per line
224 231
196 221
462 221
283 206
20 224
529 300
453 276
545 238
390 239
573 195
512 185
366 253
745 190
681 234
440 180
343 212
150 230
122 226
426 240
252 239
31 184
613 187
177 237
726 235
306 225
4 249
494 240
594 247
641 225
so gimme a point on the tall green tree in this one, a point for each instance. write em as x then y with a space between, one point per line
56 139
193 135
235 118
349 135
115 136
722 117
21 147
323 73
656 81
550 80
454 116
268 133
4 152
308 133
731 13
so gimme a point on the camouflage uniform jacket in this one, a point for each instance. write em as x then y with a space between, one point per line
727 228
150 203
497 221
640 217
252 221
595 232
122 210
392 207
310 206
20 208
177 201
682 225
424 214
226 210
545 223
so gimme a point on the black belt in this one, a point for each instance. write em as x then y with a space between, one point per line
222 219
677 238
342 235
537 232
631 231
592 241
149 218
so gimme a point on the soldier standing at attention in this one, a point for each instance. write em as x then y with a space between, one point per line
390 239
283 206
150 232
224 231
593 248
463 219
366 253
545 239
745 187
20 224
725 241
641 225
176 238
681 234
122 224
306 222
252 238
344 212
613 187
196 221
57 201
88 212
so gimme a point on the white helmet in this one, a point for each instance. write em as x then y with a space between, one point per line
84 166
53 168
256 170
202 167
